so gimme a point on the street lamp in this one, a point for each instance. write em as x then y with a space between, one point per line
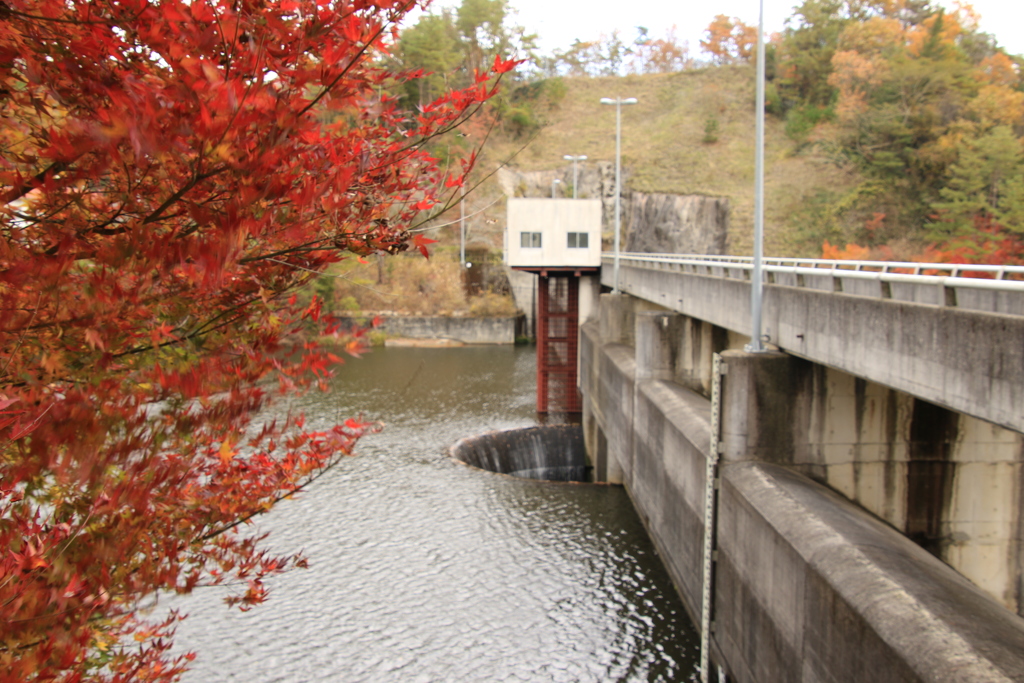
554 182
618 102
756 345
462 225
575 170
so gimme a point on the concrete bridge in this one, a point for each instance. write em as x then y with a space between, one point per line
846 507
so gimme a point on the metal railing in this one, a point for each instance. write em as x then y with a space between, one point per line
952 275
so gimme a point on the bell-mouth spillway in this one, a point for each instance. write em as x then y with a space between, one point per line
547 452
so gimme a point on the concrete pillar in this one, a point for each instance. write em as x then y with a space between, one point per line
760 419
700 341
658 339
589 301
524 293
616 319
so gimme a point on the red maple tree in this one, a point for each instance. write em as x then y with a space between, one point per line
171 171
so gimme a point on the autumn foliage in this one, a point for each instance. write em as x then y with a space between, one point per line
170 173
925 107
988 243
729 40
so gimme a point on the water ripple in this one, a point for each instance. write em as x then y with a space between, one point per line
425 570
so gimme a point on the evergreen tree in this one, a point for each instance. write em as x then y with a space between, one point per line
807 50
454 46
987 180
434 46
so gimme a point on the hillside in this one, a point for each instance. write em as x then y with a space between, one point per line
924 110
663 149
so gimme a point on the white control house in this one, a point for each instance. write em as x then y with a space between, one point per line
553 233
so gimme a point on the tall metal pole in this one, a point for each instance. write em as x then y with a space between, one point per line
462 225
618 188
575 171
618 102
554 183
757 286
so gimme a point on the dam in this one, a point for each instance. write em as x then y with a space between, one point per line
845 507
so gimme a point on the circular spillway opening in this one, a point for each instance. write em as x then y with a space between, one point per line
548 452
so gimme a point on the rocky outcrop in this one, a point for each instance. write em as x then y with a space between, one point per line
677 224
596 181
596 178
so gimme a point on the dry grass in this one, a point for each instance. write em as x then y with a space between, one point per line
409 285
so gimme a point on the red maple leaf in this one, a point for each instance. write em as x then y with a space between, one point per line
421 241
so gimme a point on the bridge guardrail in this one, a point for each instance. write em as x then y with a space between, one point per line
995 289
1001 271
966 276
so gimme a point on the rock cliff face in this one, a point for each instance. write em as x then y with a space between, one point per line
690 224
596 179
680 224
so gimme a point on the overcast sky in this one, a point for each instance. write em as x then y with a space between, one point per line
558 22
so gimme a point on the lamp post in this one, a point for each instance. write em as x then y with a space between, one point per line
575 170
554 182
618 102
462 225
756 284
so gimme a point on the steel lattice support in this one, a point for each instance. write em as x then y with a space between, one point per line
557 343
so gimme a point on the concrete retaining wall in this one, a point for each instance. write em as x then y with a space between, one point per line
948 481
673 436
808 585
465 330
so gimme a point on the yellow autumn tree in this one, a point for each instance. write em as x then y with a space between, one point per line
729 41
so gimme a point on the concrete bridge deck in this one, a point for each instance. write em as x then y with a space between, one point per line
951 340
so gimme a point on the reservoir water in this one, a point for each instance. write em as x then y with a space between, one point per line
424 569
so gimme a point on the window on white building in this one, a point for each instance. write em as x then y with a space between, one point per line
529 240
579 240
